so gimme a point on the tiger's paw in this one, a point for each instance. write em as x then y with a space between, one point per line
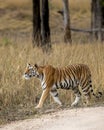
74 104
59 106
38 107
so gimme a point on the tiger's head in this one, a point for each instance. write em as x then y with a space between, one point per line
31 71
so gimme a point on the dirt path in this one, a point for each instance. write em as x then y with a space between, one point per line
72 119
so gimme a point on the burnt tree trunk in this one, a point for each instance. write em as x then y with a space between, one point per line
45 29
97 19
36 23
67 35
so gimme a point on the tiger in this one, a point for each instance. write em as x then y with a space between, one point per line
68 77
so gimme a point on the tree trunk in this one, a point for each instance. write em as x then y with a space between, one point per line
96 20
45 29
67 35
102 11
36 23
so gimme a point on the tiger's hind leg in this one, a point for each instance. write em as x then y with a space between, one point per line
88 98
87 93
54 94
77 97
86 85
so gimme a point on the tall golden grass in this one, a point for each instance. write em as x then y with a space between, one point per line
16 91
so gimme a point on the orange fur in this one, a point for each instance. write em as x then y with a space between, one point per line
69 77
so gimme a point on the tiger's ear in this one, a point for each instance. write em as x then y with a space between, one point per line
36 66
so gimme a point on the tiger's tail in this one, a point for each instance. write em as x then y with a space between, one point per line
99 95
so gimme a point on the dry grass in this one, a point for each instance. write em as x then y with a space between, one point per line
19 14
17 96
16 4
16 92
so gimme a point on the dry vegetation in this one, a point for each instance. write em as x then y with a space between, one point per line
17 96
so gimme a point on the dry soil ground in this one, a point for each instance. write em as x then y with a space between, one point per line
70 119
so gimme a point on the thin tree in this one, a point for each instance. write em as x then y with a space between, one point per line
102 11
67 35
36 23
97 19
45 29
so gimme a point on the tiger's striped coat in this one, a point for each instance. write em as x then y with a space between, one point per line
69 77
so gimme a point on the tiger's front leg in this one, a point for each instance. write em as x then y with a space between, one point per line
43 97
